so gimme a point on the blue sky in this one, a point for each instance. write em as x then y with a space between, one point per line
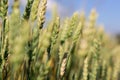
108 10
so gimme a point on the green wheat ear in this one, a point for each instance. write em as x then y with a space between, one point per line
77 32
41 13
85 69
3 8
34 10
64 32
73 24
3 15
27 11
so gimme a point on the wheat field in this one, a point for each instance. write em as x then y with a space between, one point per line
76 48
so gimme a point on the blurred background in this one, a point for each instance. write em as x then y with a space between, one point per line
108 10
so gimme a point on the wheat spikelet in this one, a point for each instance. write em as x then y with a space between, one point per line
34 8
27 11
85 69
41 13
